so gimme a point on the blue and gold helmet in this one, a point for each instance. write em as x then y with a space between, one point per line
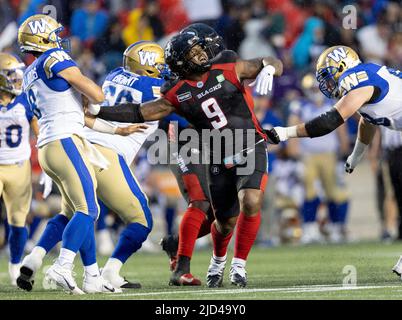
145 58
331 64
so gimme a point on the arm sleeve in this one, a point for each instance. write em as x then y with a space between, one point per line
129 113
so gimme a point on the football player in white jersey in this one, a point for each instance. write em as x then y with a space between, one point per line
16 118
137 81
55 88
372 90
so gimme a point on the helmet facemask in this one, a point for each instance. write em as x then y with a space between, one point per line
55 37
327 82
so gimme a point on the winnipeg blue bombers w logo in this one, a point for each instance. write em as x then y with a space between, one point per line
38 25
147 57
337 54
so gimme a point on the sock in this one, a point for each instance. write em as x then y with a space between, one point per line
220 242
101 222
76 231
6 231
219 259
92 270
88 249
66 257
17 238
205 228
169 216
130 241
309 210
338 212
53 232
188 230
38 253
239 261
34 226
247 229
113 265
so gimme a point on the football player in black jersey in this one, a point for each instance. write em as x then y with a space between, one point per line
210 94
193 184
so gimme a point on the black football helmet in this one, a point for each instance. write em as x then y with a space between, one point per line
213 41
178 47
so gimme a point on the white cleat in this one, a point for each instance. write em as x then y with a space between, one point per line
98 284
311 233
29 266
63 276
238 275
118 281
14 272
215 273
398 267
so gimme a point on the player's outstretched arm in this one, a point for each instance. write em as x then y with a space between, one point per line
329 121
134 113
83 84
365 135
104 126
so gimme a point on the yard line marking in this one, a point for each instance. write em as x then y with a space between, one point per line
297 289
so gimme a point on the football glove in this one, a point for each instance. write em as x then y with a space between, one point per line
47 184
355 157
272 136
263 82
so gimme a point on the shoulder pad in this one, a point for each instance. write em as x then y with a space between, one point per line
226 56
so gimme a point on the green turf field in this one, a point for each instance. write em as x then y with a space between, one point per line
312 272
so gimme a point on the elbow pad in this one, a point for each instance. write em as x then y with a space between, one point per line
324 124
129 112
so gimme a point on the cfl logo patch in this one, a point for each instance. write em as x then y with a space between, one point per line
38 26
147 57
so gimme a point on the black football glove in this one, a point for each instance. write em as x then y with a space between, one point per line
272 135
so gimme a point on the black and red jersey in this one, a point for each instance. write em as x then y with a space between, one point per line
217 101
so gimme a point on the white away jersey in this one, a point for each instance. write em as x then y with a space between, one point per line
57 105
15 119
121 86
386 108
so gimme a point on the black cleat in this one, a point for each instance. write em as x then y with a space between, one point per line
130 285
24 280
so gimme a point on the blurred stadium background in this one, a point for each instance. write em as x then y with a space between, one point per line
295 31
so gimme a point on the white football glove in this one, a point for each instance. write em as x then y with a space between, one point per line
355 157
265 79
284 133
47 182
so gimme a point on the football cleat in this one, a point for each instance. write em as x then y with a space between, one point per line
29 266
215 273
170 244
14 272
238 275
63 276
186 279
98 284
397 269
118 281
